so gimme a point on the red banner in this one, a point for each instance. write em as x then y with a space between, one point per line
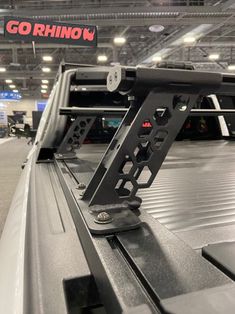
30 30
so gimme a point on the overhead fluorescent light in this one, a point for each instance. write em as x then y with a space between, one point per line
213 56
15 64
114 63
84 88
156 28
45 81
2 69
231 67
15 91
8 81
12 86
189 39
44 86
43 91
46 70
102 58
119 40
157 59
47 58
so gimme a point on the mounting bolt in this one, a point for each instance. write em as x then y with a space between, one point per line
131 98
81 186
182 107
103 218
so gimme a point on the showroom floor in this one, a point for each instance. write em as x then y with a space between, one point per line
12 153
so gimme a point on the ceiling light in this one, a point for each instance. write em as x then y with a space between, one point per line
231 67
157 59
43 91
15 91
12 86
102 58
119 40
44 86
114 63
8 81
2 69
45 81
46 70
47 58
156 28
213 56
15 64
189 39
83 88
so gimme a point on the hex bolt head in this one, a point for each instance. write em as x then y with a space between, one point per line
182 107
81 186
131 97
103 218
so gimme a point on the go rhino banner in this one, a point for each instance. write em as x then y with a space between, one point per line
29 30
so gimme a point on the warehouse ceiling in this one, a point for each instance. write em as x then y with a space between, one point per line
187 30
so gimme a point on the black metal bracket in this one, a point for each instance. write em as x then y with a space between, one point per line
119 174
113 112
131 162
106 220
93 111
76 134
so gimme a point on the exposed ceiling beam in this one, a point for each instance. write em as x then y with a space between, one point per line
199 32
147 21
7 45
174 43
132 16
19 75
94 12
229 4
220 44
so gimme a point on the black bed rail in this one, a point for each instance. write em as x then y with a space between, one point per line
109 111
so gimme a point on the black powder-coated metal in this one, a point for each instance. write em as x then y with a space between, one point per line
169 266
166 113
111 183
144 270
212 112
119 290
122 217
140 81
76 134
163 264
94 111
